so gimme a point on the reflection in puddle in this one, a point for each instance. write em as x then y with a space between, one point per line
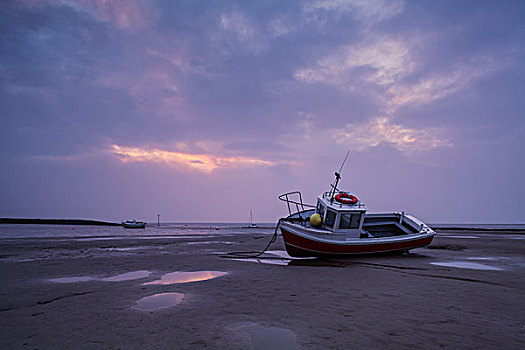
459 236
467 265
122 277
281 253
186 277
273 338
274 261
72 279
312 262
275 257
128 276
159 301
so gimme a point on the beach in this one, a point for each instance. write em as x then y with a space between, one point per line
85 291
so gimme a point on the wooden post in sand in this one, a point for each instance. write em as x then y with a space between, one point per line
158 219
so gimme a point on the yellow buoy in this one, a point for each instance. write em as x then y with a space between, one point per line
316 220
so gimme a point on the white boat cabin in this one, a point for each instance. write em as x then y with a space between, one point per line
341 217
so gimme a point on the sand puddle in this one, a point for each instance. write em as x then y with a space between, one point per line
73 279
467 265
158 301
272 261
186 277
270 338
128 276
274 257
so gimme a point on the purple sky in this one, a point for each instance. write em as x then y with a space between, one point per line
203 110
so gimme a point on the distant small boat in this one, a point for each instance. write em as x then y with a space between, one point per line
251 224
134 224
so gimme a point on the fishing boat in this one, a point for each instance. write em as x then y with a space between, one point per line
340 226
134 224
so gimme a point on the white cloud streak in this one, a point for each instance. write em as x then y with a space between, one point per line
383 130
389 63
382 62
438 85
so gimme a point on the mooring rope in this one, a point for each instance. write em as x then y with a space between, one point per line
253 254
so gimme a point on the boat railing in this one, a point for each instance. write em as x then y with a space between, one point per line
297 201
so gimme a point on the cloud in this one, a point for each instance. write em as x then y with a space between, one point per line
393 65
381 61
438 85
256 147
282 26
236 23
153 87
370 11
43 92
235 27
70 158
125 14
383 130
202 162
175 58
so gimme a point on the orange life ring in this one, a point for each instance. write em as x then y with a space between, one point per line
346 198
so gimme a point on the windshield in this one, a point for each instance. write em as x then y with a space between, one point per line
330 218
349 220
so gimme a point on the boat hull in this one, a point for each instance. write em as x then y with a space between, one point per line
141 225
300 244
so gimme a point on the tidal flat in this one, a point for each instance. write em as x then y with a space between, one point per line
466 290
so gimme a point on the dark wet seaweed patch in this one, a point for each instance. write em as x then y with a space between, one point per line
62 297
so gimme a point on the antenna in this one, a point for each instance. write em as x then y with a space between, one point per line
344 161
337 177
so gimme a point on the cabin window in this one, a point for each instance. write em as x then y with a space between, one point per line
349 220
320 209
330 218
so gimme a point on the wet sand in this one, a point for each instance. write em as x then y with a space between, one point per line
427 299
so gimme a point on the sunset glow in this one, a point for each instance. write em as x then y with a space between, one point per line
202 162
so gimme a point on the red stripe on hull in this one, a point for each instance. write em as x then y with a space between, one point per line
298 246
